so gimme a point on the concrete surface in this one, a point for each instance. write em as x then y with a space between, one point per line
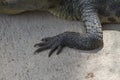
18 34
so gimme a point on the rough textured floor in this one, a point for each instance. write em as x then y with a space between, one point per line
18 34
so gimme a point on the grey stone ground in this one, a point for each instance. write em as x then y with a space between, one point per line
18 34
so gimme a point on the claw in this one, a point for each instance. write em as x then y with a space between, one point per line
39 44
41 49
59 50
52 50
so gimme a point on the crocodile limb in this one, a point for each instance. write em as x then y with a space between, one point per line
93 38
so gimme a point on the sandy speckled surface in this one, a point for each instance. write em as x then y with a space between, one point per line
18 34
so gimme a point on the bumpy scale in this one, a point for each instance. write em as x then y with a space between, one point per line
91 12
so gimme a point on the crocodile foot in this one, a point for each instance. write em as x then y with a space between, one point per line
54 43
69 39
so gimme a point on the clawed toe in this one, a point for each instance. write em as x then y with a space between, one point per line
52 50
52 43
60 48
39 44
41 49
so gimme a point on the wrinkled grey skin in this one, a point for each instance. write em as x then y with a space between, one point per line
91 12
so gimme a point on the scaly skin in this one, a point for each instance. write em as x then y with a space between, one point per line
91 12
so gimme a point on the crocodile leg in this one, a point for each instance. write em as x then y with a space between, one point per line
92 39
